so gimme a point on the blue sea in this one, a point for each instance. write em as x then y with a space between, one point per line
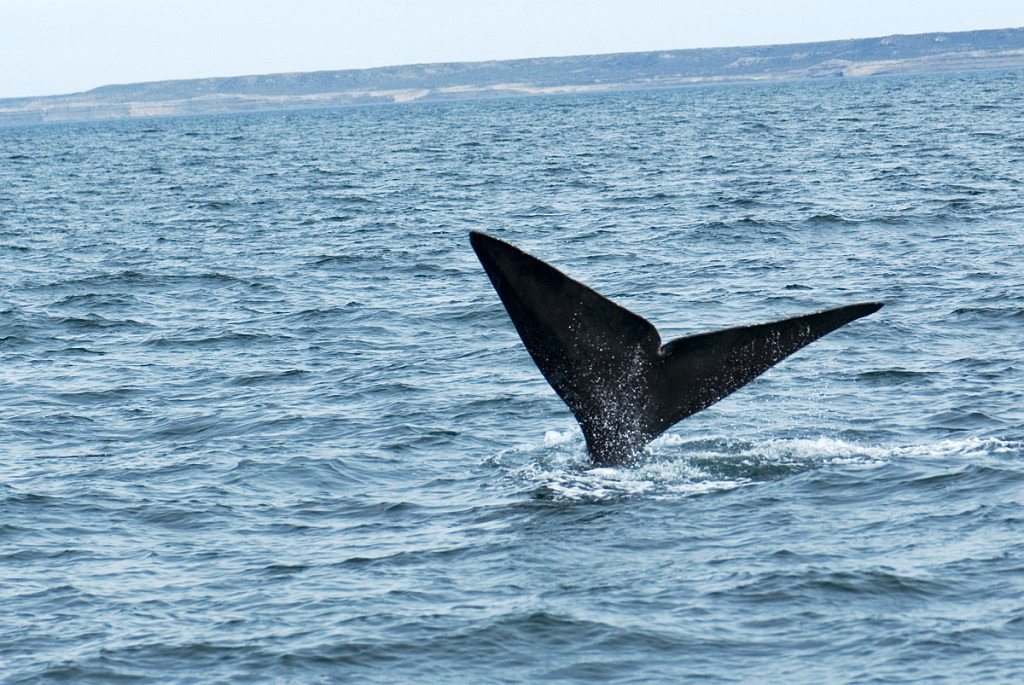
264 419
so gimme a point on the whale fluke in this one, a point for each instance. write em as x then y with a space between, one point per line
608 364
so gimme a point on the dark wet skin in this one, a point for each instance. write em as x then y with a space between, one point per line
608 364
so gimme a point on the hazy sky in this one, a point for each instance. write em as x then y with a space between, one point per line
61 46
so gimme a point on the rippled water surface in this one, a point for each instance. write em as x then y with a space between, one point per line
263 417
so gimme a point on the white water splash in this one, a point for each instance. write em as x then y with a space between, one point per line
559 468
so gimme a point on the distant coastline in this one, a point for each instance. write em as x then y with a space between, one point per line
899 54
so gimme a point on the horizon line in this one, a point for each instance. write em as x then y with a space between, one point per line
489 61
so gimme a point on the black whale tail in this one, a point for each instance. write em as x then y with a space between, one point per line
609 365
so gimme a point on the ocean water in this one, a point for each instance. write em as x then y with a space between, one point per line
264 419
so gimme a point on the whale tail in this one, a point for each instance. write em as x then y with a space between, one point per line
608 364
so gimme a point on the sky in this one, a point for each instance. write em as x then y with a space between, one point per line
51 47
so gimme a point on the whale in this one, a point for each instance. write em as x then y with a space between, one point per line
621 383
